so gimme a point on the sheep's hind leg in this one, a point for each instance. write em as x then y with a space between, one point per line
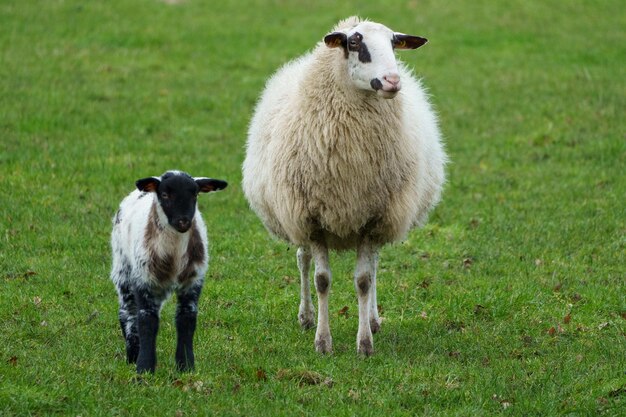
148 308
364 277
375 320
323 339
186 318
306 312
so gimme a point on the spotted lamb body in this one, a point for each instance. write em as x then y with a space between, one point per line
160 246
344 152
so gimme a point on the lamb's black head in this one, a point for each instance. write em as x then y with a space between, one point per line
177 193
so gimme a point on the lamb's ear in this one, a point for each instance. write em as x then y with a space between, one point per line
402 41
209 184
148 185
336 39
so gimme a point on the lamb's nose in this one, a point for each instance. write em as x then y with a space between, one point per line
184 224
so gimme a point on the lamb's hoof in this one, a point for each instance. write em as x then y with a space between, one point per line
142 369
132 351
140 379
365 348
185 366
375 324
324 346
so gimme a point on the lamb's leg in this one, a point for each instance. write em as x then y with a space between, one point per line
148 307
128 321
375 320
363 280
186 318
323 340
306 313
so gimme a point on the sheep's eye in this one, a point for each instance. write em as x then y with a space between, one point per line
165 195
354 42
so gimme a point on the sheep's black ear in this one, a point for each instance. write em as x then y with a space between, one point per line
148 185
336 39
402 41
209 184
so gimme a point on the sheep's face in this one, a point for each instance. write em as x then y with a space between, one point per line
177 195
371 62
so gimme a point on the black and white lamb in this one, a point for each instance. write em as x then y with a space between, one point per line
160 245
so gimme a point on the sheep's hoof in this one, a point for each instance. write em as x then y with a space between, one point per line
365 348
306 316
306 322
375 324
324 346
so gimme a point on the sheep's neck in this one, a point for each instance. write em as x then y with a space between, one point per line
329 89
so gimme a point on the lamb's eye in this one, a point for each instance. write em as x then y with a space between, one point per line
354 42
165 195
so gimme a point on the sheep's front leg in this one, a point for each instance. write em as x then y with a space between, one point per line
128 321
186 318
364 278
323 340
148 308
306 313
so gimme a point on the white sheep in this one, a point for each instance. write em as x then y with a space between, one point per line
344 152
159 245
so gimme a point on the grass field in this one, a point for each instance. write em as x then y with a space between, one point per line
511 301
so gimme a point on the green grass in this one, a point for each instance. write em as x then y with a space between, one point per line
512 301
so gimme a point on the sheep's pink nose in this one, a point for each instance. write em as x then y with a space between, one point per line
393 79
